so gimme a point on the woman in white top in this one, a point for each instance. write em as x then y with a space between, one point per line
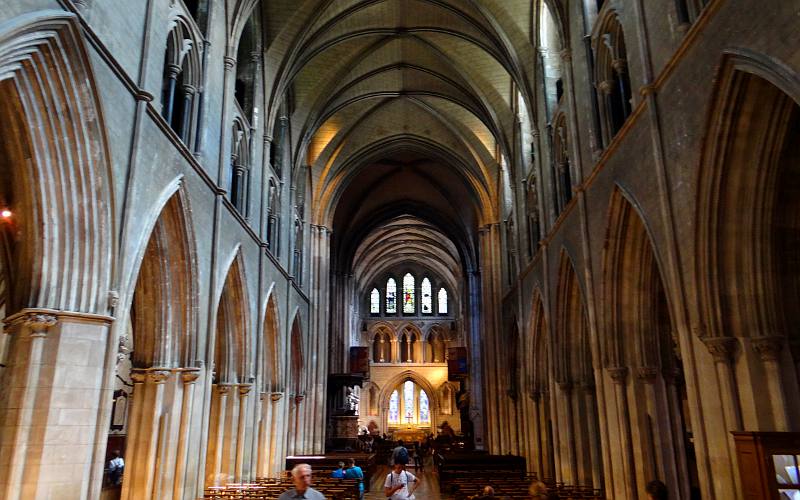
400 484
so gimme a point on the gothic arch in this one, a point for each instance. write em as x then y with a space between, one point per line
232 363
164 302
271 365
641 339
54 135
748 228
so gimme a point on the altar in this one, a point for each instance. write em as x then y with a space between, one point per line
410 435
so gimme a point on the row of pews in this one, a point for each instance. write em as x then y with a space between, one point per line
321 467
465 475
271 488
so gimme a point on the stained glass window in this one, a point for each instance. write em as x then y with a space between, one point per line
375 301
394 408
442 301
391 296
424 408
408 399
408 294
427 299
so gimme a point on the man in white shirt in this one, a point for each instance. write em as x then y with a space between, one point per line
400 484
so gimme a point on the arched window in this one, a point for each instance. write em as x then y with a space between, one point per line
248 60
381 347
273 219
375 301
391 296
550 58
613 81
408 294
408 345
240 166
563 175
394 408
442 301
181 79
427 296
424 408
408 401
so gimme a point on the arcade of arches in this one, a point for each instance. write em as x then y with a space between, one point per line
239 230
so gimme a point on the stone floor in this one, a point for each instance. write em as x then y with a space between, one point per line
427 490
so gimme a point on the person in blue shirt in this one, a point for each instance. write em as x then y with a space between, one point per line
339 473
354 472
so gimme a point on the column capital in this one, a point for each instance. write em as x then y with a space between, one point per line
619 374
229 62
38 323
276 396
721 348
605 86
223 389
647 374
768 347
244 389
566 55
190 376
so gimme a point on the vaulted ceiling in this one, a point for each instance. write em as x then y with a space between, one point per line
402 106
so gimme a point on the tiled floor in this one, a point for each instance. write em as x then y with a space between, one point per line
427 490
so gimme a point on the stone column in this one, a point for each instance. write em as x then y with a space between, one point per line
19 411
722 350
244 390
674 404
189 377
142 448
594 439
276 431
216 433
769 349
619 375
645 411
262 441
568 436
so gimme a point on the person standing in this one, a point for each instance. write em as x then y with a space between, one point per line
301 476
353 471
400 484
400 454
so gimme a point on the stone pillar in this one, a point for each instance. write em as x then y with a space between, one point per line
722 350
216 433
241 427
594 439
276 431
769 349
189 377
568 436
619 375
674 404
262 441
142 448
648 414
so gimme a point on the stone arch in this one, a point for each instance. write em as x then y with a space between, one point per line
641 338
612 77
397 381
164 303
748 227
409 343
53 133
436 344
578 441
232 363
271 365
382 340
539 378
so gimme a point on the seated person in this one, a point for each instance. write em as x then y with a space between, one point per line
354 472
338 473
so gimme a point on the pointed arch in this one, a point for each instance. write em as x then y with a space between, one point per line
572 363
297 360
271 367
54 136
232 353
164 304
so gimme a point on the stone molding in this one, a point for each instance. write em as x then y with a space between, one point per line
768 347
721 348
619 374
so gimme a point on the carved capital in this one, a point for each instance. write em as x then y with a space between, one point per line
619 374
229 62
157 376
39 323
647 374
244 389
138 376
721 348
768 348
566 55
190 376
276 396
223 389
605 86
620 65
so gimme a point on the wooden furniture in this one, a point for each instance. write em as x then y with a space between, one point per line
768 464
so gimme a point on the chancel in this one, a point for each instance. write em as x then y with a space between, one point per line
541 248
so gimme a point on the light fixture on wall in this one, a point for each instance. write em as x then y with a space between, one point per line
6 214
